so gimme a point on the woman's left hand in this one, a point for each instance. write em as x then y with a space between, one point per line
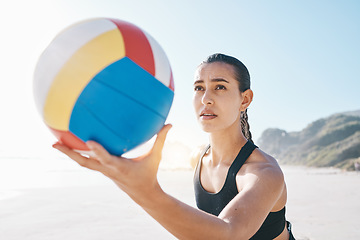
137 177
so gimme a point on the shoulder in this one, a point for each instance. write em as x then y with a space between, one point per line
261 162
261 169
196 155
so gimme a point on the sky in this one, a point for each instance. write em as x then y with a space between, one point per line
303 58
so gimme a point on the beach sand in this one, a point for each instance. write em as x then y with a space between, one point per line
322 204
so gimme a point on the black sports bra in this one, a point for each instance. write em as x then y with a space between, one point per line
214 203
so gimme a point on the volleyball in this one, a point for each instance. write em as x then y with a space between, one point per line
104 80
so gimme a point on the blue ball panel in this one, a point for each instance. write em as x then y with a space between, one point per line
84 126
113 119
133 81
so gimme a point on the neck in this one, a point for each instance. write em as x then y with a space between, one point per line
225 145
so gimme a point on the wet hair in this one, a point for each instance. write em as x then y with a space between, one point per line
243 77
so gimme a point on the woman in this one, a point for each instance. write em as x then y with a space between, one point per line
240 190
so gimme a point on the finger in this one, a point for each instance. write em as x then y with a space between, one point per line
101 153
160 139
89 163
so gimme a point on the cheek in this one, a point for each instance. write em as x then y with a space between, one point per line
233 110
232 113
236 116
197 98
195 102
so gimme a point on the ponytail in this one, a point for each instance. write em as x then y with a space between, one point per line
245 127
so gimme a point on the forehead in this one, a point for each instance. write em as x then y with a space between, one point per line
214 70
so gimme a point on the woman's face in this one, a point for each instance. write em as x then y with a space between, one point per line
217 99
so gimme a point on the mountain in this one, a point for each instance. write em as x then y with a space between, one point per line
352 113
332 141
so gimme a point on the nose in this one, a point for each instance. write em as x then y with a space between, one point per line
207 98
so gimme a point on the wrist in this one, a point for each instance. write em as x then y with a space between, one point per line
149 198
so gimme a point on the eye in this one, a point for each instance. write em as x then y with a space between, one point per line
198 88
220 87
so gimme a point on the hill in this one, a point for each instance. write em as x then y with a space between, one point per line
327 142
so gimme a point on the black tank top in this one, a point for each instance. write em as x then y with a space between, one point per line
214 203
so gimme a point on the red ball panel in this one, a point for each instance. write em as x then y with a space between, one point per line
137 46
69 139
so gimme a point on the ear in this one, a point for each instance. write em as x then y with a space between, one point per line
247 99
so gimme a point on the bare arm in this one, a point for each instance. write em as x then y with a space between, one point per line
138 178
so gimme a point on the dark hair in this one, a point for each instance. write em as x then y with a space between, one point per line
243 77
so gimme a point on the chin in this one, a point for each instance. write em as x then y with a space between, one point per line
208 128
212 127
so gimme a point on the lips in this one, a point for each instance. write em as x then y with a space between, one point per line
207 115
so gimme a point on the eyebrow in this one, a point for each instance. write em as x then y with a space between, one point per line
212 80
